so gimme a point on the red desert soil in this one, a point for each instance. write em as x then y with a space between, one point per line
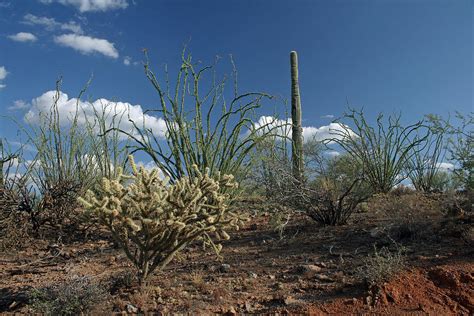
313 270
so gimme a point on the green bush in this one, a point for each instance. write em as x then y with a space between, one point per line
380 266
76 296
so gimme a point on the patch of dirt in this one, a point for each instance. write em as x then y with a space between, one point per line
313 270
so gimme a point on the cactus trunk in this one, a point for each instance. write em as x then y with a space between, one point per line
297 129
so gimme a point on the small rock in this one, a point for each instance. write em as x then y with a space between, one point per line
232 311
248 307
131 309
253 275
323 277
271 277
307 268
290 300
224 268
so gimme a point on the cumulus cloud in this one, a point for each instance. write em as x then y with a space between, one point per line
19 105
283 128
3 72
91 5
67 108
87 45
127 60
3 75
51 24
328 116
445 166
23 37
72 26
48 23
332 153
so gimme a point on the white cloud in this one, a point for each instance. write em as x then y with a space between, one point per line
328 116
332 153
3 75
87 45
51 24
91 5
3 72
283 128
48 23
445 166
67 107
324 132
23 37
19 105
72 26
127 60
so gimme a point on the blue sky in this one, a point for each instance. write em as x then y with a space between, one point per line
385 55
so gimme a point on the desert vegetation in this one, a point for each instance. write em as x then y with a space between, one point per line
234 216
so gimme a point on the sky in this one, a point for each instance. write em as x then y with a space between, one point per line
413 57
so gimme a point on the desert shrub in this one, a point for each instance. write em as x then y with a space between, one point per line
380 266
328 207
454 203
460 145
152 220
330 204
72 156
334 186
409 217
335 193
213 134
423 165
13 223
76 296
383 150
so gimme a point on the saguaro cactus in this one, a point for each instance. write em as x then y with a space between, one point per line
297 129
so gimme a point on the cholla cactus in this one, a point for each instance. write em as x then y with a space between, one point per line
152 220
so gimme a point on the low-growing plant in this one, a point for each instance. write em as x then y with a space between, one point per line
13 222
76 296
380 266
152 220
329 203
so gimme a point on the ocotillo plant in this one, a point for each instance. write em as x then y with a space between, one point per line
197 132
297 135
